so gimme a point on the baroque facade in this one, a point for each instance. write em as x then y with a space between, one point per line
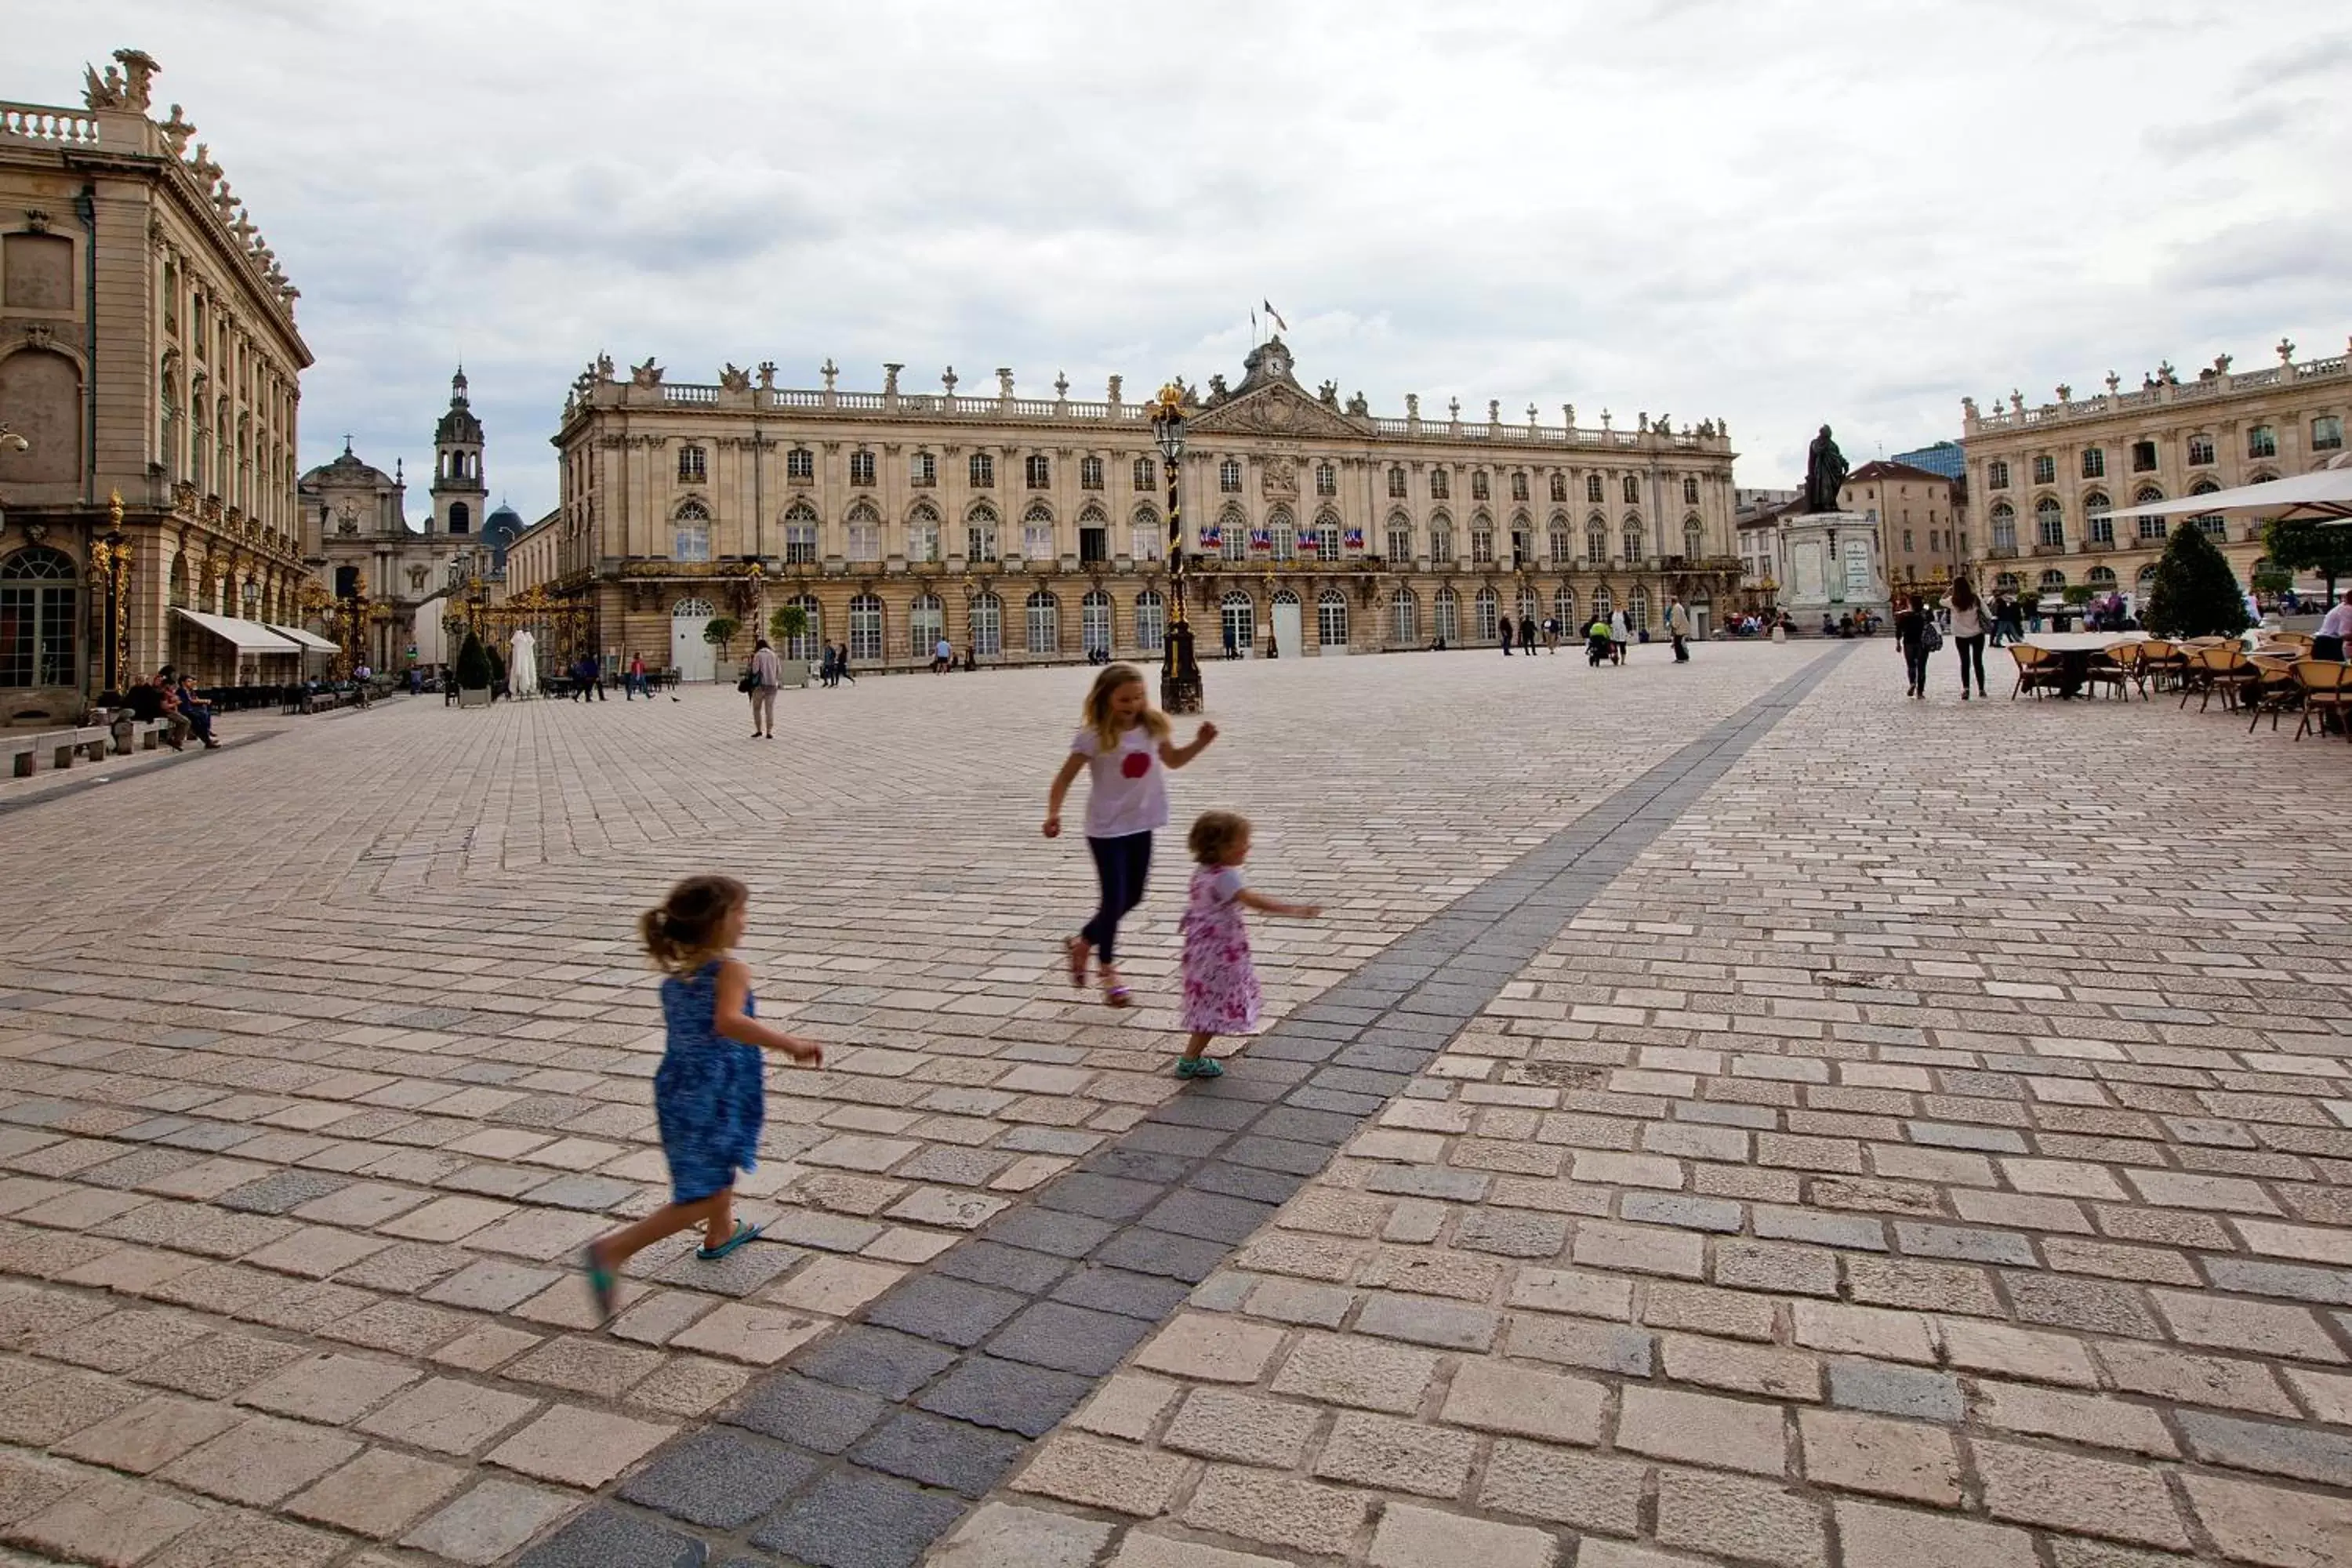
147 350
2041 479
1034 529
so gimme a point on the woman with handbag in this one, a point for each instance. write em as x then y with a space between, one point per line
759 682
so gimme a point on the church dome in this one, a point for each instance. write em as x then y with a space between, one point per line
347 471
498 530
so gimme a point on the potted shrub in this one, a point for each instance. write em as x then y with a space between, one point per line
2195 593
787 625
473 674
721 632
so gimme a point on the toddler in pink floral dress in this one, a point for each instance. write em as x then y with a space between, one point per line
1221 995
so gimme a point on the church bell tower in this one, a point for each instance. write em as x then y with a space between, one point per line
460 494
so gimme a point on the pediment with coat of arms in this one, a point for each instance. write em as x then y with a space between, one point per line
1270 403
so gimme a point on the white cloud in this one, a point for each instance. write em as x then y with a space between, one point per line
1775 214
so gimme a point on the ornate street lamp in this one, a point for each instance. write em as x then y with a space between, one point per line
1179 673
110 561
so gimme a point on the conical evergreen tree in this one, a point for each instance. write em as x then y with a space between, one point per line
2195 594
473 665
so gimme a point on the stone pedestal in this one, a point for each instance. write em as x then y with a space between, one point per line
1834 567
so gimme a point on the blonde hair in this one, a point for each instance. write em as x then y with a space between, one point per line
1214 834
1096 712
684 933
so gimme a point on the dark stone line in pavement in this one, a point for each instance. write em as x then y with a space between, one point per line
885 1432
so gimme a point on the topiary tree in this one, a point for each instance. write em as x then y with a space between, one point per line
788 623
721 632
473 665
2195 593
2310 544
497 664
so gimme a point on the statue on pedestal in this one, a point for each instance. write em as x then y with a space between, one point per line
1825 471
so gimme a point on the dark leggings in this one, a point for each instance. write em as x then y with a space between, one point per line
1121 865
1971 658
1915 660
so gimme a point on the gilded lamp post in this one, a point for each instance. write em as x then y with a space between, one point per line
1180 672
110 561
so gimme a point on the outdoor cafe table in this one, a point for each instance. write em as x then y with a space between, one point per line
2075 650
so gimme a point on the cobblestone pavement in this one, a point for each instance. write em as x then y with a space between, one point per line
321 1055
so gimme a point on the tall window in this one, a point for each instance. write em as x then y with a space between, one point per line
2004 527
1592 488
1396 483
1518 487
800 533
1563 609
1232 532
2262 441
2096 524
1326 479
1997 474
1150 538
1632 490
1229 477
923 534
988 625
865 628
800 463
1400 537
2095 462
1150 621
1478 486
1440 485
36 618
1043 622
1147 475
2143 457
1690 492
1482 543
2150 527
1237 620
690 538
982 470
922 470
1440 540
861 468
806 645
2054 583
1563 548
1602 604
693 464
1637 609
1285 536
1326 535
2045 469
1093 622
2327 433
1094 534
1331 618
1447 616
1693 539
1037 534
1091 473
2048 523
1404 618
927 622
1039 471
1485 611
1632 540
1559 487
980 534
864 538
2200 451
1596 543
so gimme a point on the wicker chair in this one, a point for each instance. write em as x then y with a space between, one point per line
2223 669
2327 690
2037 671
2112 669
2160 662
2273 691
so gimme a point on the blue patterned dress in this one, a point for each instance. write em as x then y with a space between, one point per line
710 1094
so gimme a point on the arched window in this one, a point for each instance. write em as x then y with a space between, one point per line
1523 542
2210 522
1528 603
800 534
1326 535
810 642
1232 532
2145 584
2149 527
1482 541
1563 609
1559 487
1632 490
1592 488
1396 482
1400 538
1043 623
2097 525
1441 539
1561 543
1150 621
1484 612
988 625
1285 532
1596 543
2048 523
1404 618
2101 579
982 472
865 542
1037 532
176 583
865 628
927 623
1237 621
1637 609
1632 540
174 460
1446 617
2054 581
461 517
37 620
1694 538
1150 539
1093 622
689 532
2005 584
1602 604
2004 527
980 533
1331 618
922 533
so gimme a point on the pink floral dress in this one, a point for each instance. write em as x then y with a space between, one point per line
1221 995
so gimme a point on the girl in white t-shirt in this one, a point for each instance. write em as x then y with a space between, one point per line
1125 746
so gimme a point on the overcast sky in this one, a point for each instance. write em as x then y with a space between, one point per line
1776 211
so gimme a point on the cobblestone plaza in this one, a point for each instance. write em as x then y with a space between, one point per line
1727 1115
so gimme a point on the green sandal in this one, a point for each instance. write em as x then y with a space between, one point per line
1199 1067
743 1233
601 1284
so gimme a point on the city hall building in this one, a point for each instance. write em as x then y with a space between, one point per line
1034 529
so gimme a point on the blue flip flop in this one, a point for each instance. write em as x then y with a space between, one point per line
743 1233
601 1283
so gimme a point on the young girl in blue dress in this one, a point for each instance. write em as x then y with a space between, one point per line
709 1093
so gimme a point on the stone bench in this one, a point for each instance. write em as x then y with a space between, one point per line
58 745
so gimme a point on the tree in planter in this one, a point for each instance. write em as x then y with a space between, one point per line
721 632
2308 545
497 667
787 624
473 665
2195 594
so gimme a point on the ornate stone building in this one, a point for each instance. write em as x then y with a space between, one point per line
147 349
2040 481
1034 529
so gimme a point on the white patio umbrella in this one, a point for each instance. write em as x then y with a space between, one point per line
522 667
2324 492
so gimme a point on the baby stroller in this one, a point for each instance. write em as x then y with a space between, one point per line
1596 646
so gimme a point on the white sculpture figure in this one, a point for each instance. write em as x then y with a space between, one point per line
522 667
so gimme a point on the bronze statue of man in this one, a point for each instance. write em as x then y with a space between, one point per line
1825 472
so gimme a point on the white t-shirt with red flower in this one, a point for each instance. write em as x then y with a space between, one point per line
1127 788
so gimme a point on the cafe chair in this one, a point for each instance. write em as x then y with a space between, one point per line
2326 687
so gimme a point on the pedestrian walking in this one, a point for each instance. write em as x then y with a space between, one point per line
1528 636
1551 634
634 681
766 674
709 1093
1678 627
827 672
1125 746
1968 634
942 656
1911 628
1221 989
1506 636
1621 636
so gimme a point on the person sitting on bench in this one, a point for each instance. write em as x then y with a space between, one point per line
154 699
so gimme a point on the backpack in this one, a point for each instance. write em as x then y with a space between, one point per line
1931 638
